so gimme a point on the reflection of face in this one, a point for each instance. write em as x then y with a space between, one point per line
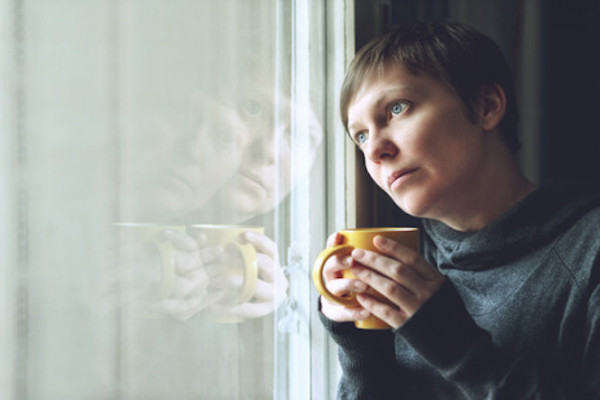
238 145
185 164
419 145
272 156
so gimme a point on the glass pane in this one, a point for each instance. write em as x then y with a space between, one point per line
164 195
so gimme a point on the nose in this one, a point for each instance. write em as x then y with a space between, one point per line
263 149
380 147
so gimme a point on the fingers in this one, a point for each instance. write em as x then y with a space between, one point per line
397 282
193 285
403 280
384 270
335 239
230 286
188 296
181 240
268 271
393 315
398 262
333 271
344 287
271 285
397 294
334 266
189 263
406 256
262 243
268 293
266 299
338 313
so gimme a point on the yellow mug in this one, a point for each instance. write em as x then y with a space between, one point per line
150 234
361 238
229 238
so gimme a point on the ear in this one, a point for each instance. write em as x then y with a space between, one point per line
492 106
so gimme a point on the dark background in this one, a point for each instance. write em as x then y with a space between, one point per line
565 113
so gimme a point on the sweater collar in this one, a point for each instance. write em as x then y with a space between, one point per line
534 221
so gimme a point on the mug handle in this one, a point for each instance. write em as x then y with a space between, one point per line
167 255
319 280
250 271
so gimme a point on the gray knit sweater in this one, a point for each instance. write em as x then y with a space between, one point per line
518 318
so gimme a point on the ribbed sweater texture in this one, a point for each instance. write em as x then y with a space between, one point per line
518 316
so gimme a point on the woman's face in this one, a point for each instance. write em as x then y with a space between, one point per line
419 145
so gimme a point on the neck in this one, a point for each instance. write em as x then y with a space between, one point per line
498 187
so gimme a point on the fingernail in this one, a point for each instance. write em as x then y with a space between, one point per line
168 234
382 239
200 238
358 253
356 270
250 235
360 286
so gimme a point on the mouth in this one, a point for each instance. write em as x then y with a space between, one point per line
253 178
180 183
398 177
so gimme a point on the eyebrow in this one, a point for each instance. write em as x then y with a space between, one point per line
383 96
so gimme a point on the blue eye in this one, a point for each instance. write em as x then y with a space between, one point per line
398 108
251 107
361 137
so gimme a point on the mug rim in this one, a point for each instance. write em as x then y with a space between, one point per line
382 229
225 226
147 224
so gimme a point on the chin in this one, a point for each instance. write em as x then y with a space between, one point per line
243 211
415 206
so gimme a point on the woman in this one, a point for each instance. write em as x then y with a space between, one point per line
504 302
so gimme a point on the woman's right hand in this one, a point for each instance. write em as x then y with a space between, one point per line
189 291
271 287
340 286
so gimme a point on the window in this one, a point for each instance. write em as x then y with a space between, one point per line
125 119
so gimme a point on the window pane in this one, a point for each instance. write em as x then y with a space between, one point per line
141 135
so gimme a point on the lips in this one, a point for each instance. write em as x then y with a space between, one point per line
254 178
399 176
180 182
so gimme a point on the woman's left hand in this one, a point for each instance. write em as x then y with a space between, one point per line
400 274
271 286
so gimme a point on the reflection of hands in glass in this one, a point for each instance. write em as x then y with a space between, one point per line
271 287
189 291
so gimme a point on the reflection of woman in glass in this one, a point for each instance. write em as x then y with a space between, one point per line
242 145
272 159
221 158
257 132
232 161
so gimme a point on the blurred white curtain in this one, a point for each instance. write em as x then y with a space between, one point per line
127 118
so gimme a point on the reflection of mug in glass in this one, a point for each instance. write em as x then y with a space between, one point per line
243 255
150 238
361 238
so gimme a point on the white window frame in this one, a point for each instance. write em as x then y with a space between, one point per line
337 165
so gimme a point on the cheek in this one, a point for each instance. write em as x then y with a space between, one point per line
443 140
375 173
